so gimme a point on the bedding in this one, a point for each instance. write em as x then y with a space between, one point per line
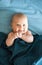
31 8
21 52
4 54
38 62
5 19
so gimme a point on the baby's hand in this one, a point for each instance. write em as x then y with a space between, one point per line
28 37
11 37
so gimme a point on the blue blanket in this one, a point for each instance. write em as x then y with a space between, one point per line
21 52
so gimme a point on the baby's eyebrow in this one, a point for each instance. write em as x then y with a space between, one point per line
19 23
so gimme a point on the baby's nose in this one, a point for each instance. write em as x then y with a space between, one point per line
21 28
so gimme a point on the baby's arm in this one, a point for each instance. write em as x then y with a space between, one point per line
11 37
28 37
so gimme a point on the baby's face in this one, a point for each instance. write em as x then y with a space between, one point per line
20 25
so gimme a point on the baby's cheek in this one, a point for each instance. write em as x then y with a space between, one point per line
25 30
17 29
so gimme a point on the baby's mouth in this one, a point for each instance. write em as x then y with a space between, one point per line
20 32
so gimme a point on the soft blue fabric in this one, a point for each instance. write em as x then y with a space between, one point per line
39 62
4 3
5 19
21 52
30 8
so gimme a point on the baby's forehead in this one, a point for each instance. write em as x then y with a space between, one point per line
19 18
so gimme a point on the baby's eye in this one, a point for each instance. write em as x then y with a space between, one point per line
23 24
18 24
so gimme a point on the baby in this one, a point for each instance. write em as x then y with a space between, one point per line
19 25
